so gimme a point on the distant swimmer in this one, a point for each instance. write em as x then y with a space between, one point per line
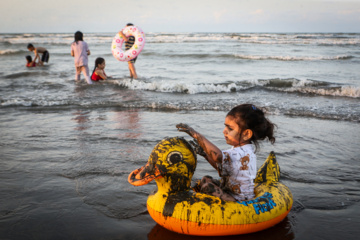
39 50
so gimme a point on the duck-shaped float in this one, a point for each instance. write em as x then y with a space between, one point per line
176 207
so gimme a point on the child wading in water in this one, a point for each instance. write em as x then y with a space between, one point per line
98 72
245 125
80 52
129 42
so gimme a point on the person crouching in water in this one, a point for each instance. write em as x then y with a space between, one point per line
45 54
98 72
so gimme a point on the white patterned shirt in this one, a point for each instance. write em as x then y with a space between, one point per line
238 171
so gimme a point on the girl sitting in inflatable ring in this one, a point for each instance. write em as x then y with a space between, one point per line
245 125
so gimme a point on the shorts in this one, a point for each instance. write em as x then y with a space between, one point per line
45 56
133 60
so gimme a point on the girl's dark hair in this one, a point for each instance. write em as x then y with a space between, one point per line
28 58
98 61
129 24
78 36
248 116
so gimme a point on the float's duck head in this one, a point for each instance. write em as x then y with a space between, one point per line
171 163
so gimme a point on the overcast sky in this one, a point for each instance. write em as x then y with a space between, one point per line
29 16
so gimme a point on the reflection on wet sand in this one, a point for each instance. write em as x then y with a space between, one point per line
127 124
82 118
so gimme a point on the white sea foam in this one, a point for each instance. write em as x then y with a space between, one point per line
344 91
294 58
9 51
252 38
306 86
165 86
16 102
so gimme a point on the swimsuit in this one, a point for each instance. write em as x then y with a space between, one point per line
128 45
96 77
45 56
33 64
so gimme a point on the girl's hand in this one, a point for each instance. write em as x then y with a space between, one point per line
204 147
182 127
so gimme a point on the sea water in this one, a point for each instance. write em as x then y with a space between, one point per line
67 148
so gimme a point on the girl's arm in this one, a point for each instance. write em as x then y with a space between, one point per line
101 74
123 36
88 52
213 153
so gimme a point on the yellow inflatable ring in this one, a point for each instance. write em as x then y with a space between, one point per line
176 207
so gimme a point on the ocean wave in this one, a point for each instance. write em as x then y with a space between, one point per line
294 58
176 87
258 38
11 51
41 38
27 74
191 55
253 38
309 113
343 91
342 113
282 85
309 87
220 55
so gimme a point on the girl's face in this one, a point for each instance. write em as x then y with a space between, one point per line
102 65
232 131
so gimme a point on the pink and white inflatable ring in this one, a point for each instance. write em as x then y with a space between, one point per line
116 46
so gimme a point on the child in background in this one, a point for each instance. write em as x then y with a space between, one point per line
98 72
129 42
80 52
30 62
45 54
245 125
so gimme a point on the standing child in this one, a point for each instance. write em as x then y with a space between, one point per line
98 72
45 54
245 125
129 42
80 52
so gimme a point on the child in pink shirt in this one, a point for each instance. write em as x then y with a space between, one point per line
80 52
